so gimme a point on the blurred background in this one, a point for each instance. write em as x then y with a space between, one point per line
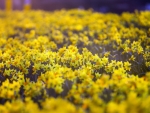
115 6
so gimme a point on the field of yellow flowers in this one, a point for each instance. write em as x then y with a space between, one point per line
74 61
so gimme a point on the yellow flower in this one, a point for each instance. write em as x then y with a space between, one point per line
98 75
1 65
132 58
55 106
104 60
112 107
78 27
7 72
119 64
127 66
58 89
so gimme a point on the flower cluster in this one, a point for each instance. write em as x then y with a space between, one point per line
87 61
